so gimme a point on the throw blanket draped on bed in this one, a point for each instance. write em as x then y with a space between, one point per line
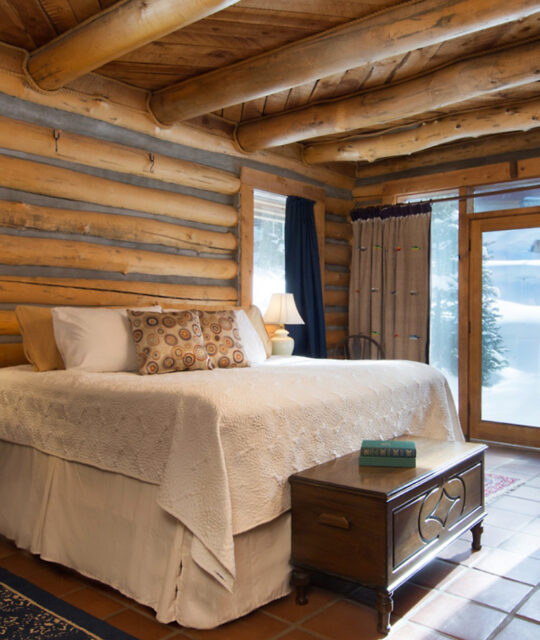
221 444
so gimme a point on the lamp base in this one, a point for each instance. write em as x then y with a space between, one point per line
282 343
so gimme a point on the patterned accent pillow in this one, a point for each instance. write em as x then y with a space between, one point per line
222 339
167 342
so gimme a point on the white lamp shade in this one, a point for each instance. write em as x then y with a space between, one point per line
282 310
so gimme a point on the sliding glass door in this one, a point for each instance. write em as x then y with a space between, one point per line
504 391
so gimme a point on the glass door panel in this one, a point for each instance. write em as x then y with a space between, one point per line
505 331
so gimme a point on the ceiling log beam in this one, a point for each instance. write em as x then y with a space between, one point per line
473 124
490 149
450 85
391 32
123 27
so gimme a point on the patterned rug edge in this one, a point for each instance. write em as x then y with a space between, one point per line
58 608
496 485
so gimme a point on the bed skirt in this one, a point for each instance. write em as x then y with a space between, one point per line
109 527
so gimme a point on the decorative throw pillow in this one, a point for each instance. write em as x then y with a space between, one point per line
96 338
253 347
167 342
222 339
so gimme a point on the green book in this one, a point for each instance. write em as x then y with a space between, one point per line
389 448
385 461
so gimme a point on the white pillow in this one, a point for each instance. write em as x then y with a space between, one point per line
95 339
253 346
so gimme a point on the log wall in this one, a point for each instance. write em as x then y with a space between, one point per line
99 208
337 255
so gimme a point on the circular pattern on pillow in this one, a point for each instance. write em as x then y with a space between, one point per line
222 339
167 342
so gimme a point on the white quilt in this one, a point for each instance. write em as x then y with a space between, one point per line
221 444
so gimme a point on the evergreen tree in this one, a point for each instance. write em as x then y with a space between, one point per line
492 343
444 300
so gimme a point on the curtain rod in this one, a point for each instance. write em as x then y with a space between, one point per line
483 195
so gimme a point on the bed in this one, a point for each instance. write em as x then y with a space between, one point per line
173 488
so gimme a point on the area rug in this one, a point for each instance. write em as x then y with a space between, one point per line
496 485
29 613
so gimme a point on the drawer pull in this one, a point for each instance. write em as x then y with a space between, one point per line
331 520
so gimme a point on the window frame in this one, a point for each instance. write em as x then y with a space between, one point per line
252 179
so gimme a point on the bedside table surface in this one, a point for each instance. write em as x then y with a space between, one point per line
432 457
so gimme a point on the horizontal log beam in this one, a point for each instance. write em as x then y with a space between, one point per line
53 143
394 31
334 336
338 230
90 293
36 177
125 26
337 254
338 206
336 319
8 324
518 117
12 354
453 84
19 215
463 151
336 298
19 250
337 278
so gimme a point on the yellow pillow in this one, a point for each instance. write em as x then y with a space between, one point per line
39 345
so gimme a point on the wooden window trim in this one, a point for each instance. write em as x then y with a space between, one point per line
251 179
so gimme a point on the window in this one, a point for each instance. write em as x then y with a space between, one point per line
518 194
268 246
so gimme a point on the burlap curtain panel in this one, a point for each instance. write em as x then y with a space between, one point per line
389 286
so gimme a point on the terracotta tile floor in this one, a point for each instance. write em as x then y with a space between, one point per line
493 594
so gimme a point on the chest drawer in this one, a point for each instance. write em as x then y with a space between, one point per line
339 532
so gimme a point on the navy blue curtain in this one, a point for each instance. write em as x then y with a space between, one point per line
303 277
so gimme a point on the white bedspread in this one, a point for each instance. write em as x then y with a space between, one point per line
221 444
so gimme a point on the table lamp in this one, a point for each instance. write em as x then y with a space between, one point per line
282 310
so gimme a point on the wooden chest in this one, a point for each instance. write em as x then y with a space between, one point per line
379 525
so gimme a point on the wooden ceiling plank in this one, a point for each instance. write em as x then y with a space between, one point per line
455 83
37 24
298 96
60 13
12 31
385 34
110 34
275 102
84 9
518 117
342 8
